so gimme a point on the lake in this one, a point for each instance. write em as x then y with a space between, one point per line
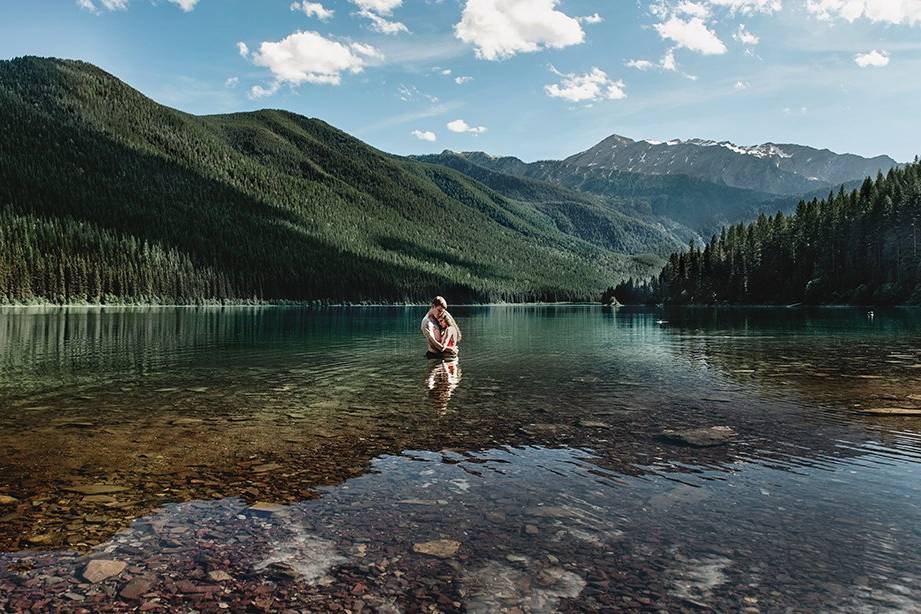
263 458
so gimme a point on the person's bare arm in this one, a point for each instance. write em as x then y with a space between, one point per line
433 340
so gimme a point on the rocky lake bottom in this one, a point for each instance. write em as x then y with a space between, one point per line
572 459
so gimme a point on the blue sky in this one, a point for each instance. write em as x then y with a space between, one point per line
532 78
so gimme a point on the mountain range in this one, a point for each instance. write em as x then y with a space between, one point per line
769 167
107 196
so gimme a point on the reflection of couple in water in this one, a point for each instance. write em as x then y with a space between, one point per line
440 330
443 379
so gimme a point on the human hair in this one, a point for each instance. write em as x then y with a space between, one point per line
439 301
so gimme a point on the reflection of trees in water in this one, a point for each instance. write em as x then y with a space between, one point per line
442 380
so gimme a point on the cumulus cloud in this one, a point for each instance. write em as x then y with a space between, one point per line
242 49
381 7
378 13
740 85
873 58
425 135
185 5
889 11
745 37
693 9
499 29
588 87
232 82
459 125
591 19
313 9
691 34
257 91
462 79
309 57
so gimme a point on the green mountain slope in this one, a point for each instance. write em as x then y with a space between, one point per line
107 195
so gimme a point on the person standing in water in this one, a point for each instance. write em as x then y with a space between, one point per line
440 330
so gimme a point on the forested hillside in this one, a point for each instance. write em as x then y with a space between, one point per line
858 247
107 196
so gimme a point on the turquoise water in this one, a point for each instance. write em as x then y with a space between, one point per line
538 459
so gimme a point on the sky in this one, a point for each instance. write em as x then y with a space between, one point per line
537 79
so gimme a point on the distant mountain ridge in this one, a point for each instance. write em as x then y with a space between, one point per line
675 201
778 168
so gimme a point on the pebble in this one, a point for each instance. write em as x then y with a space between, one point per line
98 570
442 548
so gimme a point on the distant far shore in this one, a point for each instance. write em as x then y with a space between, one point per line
346 305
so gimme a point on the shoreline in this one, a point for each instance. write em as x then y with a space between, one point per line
96 306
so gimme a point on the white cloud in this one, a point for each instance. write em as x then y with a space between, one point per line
745 37
749 7
740 85
499 29
382 24
446 71
693 9
120 5
692 34
185 5
889 11
668 61
232 82
591 19
459 125
425 135
313 9
591 86
257 91
109 5
381 7
377 12
463 79
873 58
309 57
242 49
790 111
641 64
410 93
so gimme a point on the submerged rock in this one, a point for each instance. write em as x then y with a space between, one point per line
442 548
219 575
495 587
261 508
136 587
704 437
98 570
8 500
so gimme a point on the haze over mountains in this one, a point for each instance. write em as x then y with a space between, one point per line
106 195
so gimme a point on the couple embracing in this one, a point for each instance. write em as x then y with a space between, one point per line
440 330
